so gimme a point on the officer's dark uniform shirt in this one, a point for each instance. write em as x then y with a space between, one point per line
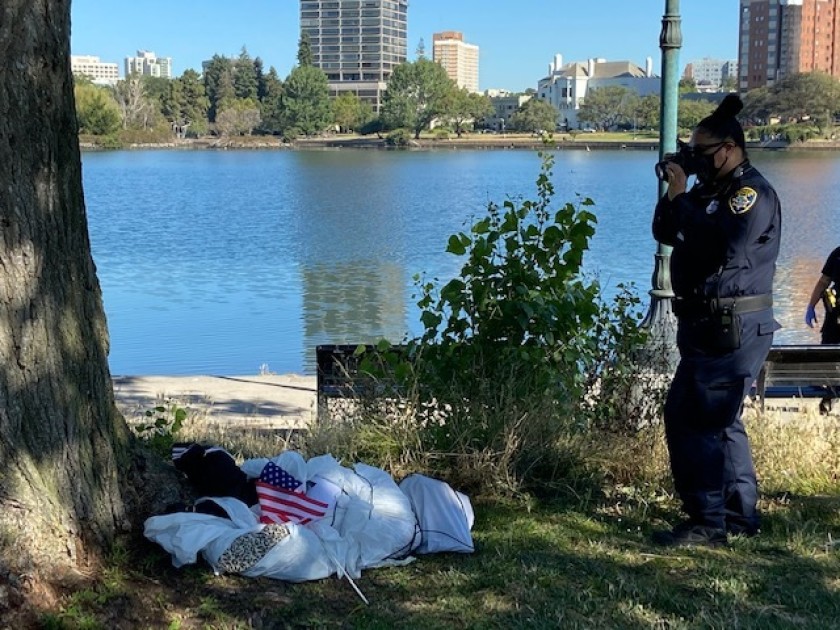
831 324
832 267
725 236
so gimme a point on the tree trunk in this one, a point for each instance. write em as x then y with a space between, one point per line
65 451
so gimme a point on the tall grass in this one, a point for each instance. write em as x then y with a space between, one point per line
796 452
534 453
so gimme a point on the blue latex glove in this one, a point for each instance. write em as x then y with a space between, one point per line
810 316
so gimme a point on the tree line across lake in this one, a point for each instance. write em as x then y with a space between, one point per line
236 97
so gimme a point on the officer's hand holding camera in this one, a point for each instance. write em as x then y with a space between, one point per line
675 169
676 178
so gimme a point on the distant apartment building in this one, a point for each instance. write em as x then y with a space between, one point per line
357 43
779 38
494 92
709 74
146 63
505 105
100 72
566 86
459 59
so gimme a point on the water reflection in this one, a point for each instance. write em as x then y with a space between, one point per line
353 303
810 228
219 262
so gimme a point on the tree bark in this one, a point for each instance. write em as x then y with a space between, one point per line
65 451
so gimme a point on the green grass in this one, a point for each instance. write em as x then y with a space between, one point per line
582 561
554 566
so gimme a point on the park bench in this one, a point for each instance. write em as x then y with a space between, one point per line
340 374
799 371
790 371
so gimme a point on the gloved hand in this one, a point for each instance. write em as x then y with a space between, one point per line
810 316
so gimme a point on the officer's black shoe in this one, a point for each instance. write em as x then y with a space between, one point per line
690 534
825 406
744 532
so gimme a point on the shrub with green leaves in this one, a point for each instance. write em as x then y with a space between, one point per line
161 426
520 304
521 347
398 138
520 353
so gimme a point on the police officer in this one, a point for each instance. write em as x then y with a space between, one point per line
826 290
725 235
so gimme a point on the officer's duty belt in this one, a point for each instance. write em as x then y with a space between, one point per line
741 304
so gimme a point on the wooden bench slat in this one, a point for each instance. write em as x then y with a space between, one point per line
799 392
339 374
794 371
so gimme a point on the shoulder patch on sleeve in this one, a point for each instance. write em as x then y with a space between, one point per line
743 200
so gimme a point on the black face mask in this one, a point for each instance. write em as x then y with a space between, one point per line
706 171
705 168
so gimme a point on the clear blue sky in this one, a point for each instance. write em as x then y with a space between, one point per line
517 40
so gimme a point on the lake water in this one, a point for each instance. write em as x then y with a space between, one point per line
228 262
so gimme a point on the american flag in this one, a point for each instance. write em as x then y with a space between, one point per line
283 500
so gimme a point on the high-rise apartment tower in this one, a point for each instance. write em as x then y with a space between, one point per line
459 59
357 43
779 38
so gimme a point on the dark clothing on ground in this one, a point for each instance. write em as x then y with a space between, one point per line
214 473
725 240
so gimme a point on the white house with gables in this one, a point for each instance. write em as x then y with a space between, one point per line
566 86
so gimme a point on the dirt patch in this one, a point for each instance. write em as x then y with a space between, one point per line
144 590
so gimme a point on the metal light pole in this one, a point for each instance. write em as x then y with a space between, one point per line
659 356
659 318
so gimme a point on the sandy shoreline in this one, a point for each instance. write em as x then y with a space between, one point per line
263 400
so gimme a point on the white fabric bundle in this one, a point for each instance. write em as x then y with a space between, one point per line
370 524
446 516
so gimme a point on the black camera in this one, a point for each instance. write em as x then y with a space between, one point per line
684 157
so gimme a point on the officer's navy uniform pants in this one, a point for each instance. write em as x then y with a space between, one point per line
710 453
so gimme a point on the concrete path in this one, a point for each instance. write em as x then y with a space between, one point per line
265 400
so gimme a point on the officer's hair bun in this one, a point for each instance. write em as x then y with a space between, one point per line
722 124
729 107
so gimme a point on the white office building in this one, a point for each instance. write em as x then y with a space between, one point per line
99 72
